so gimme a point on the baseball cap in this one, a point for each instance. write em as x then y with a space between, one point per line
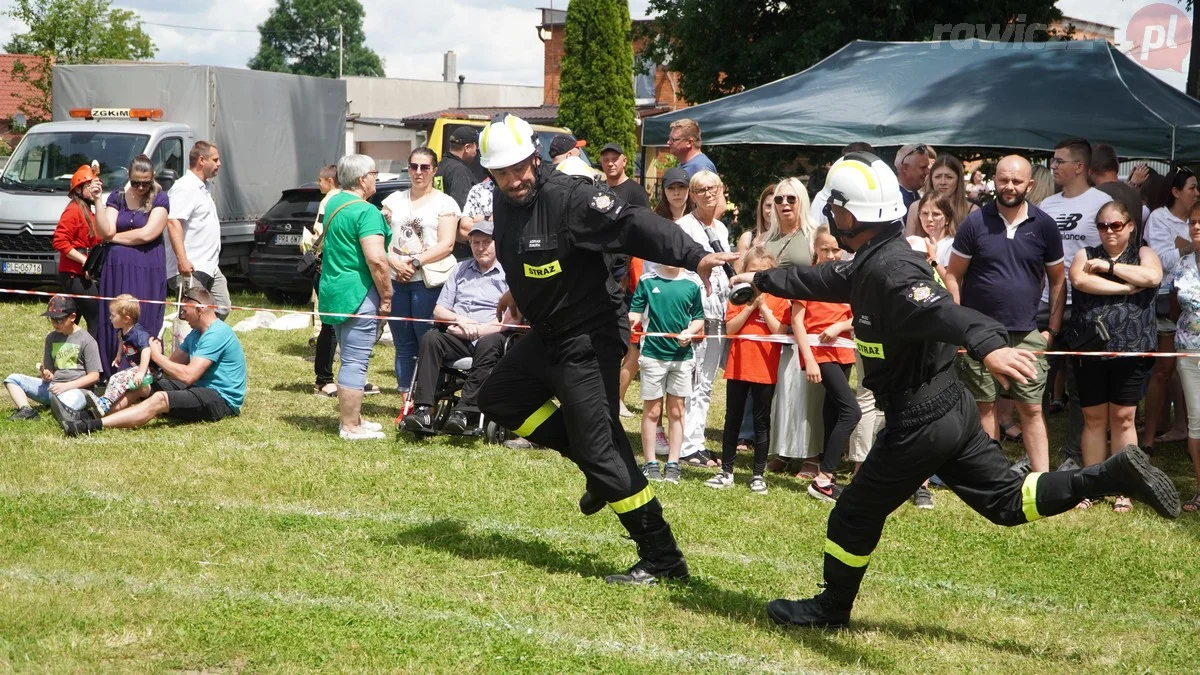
60 306
563 143
615 147
483 226
464 136
675 176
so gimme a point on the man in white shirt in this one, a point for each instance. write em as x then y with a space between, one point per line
194 228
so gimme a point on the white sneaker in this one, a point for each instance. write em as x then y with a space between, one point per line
720 481
758 485
361 435
660 443
369 425
624 411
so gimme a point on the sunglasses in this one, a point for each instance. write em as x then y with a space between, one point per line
919 150
791 199
144 184
414 167
1115 226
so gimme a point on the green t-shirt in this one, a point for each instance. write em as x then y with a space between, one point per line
790 249
345 277
667 306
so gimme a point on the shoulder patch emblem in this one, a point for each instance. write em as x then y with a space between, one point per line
922 293
602 202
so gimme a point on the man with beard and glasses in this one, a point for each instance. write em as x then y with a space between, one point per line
554 237
1002 255
908 330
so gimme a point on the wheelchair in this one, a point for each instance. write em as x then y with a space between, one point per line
447 393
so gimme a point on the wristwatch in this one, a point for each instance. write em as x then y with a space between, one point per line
416 262
1111 264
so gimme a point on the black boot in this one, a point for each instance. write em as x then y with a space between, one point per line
1129 472
590 504
828 609
659 556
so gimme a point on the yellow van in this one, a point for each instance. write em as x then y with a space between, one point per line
439 136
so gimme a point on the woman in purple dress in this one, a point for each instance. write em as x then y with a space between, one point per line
133 220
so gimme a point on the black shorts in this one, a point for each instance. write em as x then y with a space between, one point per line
1118 381
192 404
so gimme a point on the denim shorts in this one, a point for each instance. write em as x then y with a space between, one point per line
39 390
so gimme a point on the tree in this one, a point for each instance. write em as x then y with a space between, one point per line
301 37
720 47
596 89
70 31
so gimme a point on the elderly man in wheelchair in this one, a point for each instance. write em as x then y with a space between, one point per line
473 341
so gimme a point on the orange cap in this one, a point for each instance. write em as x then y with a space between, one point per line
83 174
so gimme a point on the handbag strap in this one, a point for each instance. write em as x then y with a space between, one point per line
329 221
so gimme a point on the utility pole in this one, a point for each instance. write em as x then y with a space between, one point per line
341 50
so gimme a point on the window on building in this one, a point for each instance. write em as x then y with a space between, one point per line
643 82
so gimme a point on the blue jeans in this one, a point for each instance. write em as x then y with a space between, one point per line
357 338
39 390
410 300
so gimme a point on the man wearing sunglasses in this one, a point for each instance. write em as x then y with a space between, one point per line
194 229
912 169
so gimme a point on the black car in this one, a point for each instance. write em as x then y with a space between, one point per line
277 236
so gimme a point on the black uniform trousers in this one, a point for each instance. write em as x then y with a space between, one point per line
439 348
582 371
955 447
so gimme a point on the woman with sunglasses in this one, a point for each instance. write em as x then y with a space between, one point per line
1114 287
1184 282
1167 233
424 222
133 220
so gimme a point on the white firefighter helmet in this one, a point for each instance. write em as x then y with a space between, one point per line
865 186
506 140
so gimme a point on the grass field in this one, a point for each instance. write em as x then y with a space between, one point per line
264 543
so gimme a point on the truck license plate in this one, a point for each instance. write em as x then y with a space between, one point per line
287 240
22 268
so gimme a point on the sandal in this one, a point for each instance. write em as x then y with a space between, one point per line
778 465
1194 505
328 390
1122 505
808 470
1005 436
701 459
1084 504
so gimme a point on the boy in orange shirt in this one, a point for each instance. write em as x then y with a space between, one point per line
751 370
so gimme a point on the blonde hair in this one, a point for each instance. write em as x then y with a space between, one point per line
127 306
760 255
803 211
762 225
690 129
821 231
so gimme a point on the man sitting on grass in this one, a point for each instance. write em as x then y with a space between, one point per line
204 379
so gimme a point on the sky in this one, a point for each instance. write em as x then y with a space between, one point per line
495 40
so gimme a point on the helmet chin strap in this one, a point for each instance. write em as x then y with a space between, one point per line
843 237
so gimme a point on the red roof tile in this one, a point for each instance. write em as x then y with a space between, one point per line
12 90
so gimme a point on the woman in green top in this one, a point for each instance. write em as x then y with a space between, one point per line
355 279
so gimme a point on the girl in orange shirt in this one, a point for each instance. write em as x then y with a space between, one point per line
830 366
751 370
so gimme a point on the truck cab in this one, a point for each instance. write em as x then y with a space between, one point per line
35 182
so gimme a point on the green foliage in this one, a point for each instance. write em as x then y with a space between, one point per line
596 91
301 37
720 47
70 31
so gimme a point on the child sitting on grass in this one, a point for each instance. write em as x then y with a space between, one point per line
752 369
133 355
70 363
666 301
829 366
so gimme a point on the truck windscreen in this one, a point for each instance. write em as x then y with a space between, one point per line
45 161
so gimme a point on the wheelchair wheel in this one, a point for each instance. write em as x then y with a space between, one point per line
442 411
494 433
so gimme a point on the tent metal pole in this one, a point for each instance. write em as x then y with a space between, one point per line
1172 145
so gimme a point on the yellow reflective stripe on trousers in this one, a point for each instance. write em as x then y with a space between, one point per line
535 420
841 554
1029 497
633 501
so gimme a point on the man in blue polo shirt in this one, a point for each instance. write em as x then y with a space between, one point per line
1002 255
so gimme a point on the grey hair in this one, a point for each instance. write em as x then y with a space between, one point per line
352 167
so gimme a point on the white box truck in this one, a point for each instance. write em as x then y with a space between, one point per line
274 131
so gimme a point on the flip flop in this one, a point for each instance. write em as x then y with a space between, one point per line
1005 436
1122 505
1193 505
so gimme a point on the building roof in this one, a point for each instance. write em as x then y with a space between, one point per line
378 121
13 91
544 114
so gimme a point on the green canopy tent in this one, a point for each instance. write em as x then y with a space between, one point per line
963 93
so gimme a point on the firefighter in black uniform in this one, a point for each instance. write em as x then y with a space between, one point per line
907 328
554 236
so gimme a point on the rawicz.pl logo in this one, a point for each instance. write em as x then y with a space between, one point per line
1161 34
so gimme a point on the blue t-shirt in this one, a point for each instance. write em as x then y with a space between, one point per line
227 373
132 344
1008 268
697 164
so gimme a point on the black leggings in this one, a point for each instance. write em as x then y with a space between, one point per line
326 349
840 412
760 395
89 308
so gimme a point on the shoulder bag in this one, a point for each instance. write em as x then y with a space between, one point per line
310 261
95 260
